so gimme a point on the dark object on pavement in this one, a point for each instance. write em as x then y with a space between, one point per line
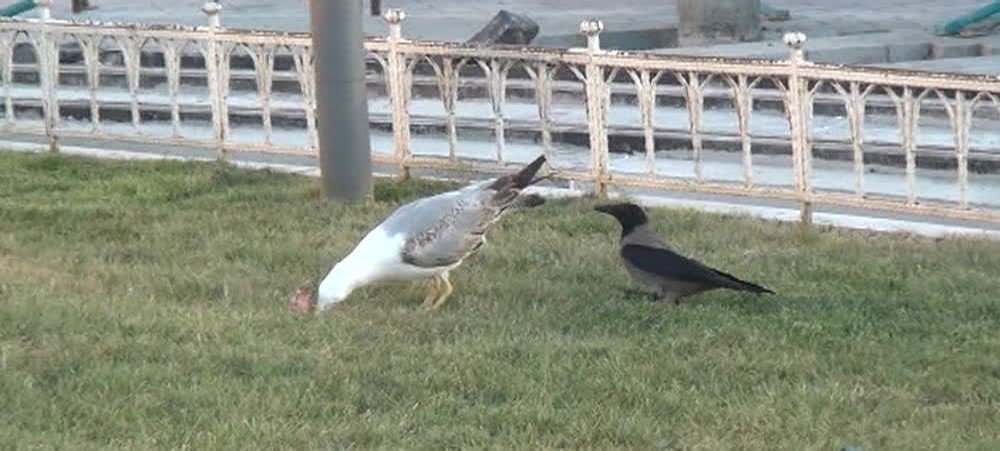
80 6
507 28
773 14
656 266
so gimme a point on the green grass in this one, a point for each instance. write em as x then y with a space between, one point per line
143 305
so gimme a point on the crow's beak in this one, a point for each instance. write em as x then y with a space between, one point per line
603 208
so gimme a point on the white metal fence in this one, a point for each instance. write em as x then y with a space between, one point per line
236 90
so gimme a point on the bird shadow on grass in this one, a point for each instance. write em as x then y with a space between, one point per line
737 302
634 295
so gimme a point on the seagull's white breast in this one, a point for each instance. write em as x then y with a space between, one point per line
379 257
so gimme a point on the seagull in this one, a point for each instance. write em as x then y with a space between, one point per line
425 239
654 265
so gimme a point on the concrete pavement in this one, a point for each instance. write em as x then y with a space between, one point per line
458 19
841 31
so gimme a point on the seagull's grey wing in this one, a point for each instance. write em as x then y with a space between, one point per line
458 230
421 214
444 229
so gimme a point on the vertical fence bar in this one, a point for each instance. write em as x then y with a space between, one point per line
907 113
48 70
597 106
961 123
212 11
89 46
646 93
172 64
908 129
807 154
797 95
223 55
496 73
696 104
133 75
449 95
744 109
647 106
305 71
856 118
398 98
6 76
263 64
543 97
447 80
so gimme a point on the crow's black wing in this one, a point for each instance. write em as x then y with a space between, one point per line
667 263
671 265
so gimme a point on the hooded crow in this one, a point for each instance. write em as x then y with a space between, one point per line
656 266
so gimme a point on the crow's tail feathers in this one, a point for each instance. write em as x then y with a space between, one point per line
739 284
754 288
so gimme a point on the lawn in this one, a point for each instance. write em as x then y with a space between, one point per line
143 305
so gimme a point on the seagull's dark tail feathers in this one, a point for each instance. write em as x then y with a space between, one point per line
738 284
525 177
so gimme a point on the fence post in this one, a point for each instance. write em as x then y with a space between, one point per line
798 108
597 106
48 73
397 80
214 81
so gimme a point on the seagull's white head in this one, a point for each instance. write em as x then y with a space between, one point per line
336 286
331 292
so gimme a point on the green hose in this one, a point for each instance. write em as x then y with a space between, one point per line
955 26
17 8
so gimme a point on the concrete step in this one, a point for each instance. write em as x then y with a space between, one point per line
912 47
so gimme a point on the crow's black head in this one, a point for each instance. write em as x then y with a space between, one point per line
629 215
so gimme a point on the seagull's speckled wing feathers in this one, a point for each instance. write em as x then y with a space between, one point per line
442 230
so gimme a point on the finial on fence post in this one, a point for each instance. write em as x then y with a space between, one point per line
44 9
213 10
592 28
395 17
796 42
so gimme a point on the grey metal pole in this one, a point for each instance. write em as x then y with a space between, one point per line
341 100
